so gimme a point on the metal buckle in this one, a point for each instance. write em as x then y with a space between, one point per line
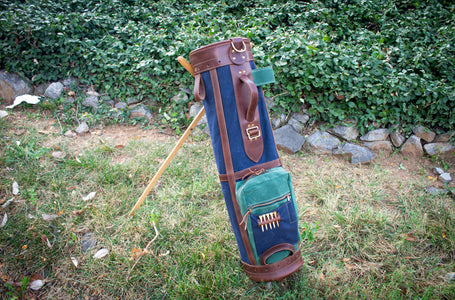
253 135
237 50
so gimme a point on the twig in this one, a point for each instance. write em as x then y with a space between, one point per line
144 251
60 124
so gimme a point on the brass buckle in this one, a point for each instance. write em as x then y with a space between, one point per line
253 135
237 50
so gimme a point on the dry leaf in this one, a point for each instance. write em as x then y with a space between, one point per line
89 196
409 237
49 217
348 266
7 203
36 284
119 146
59 154
101 253
5 219
15 188
75 261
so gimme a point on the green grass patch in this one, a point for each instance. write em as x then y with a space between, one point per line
367 234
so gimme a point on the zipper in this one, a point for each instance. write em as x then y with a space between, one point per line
270 202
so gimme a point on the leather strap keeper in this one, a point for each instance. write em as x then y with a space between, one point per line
257 169
275 271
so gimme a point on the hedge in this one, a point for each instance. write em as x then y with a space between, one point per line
376 62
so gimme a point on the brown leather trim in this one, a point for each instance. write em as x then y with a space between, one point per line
275 271
217 55
228 162
246 96
275 249
253 170
199 88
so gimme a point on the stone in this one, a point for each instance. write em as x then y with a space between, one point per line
82 128
195 109
443 137
445 177
141 112
3 114
88 242
180 97
322 142
348 133
450 276
424 133
91 92
441 149
91 101
397 138
288 140
277 120
69 82
69 134
412 147
380 134
358 154
121 106
435 191
298 120
131 101
379 146
11 86
54 90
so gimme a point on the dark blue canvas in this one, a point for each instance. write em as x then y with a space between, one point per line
239 158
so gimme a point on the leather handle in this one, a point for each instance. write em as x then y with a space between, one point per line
253 98
272 250
199 89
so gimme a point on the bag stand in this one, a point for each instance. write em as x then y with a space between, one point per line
242 141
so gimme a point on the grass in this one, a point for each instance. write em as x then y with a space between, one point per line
372 232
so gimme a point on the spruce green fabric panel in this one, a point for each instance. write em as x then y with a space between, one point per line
263 76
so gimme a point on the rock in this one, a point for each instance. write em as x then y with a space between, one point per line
195 109
69 82
54 90
82 128
358 154
59 154
11 86
91 101
412 147
380 134
397 138
91 92
277 120
88 242
450 276
287 139
442 149
348 133
121 106
132 101
435 191
298 120
3 114
379 146
443 137
180 97
69 134
322 142
438 171
424 133
141 112
445 177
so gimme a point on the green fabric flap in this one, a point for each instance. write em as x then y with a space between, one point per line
263 76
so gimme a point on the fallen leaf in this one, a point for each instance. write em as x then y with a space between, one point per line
59 154
5 219
409 237
7 203
30 99
89 196
101 253
348 266
75 261
119 146
15 188
49 217
36 284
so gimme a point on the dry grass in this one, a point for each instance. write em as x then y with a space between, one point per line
377 234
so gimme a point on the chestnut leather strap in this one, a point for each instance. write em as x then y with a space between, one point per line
228 162
253 170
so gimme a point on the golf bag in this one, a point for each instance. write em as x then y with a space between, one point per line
258 192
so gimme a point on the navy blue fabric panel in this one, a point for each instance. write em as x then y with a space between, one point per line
235 227
239 158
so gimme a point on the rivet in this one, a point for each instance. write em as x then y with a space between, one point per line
233 58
